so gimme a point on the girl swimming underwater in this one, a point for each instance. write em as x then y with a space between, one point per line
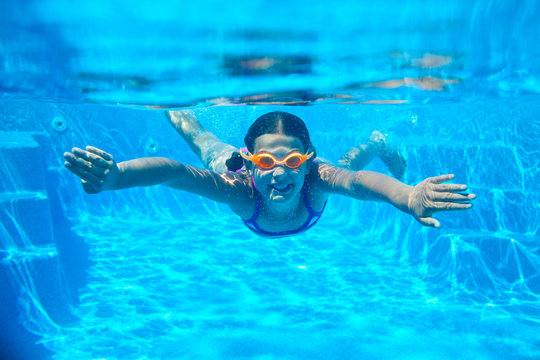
282 187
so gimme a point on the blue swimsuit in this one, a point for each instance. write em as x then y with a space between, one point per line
313 217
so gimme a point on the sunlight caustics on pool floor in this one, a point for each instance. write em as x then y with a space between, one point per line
157 291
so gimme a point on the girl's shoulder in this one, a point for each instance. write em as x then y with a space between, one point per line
324 173
332 179
244 202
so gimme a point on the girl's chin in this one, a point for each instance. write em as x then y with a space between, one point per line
278 198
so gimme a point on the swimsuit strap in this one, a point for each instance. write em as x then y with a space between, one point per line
252 223
308 205
257 206
314 216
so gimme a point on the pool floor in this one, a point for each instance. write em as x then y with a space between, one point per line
178 288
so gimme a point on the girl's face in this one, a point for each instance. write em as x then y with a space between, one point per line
281 183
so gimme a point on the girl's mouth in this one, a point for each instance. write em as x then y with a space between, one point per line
281 188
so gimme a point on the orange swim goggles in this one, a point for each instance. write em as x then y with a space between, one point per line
267 161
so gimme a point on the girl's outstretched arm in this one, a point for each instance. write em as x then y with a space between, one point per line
99 172
421 201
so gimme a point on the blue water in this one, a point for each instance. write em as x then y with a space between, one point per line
155 273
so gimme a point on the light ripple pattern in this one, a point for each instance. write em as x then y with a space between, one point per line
177 288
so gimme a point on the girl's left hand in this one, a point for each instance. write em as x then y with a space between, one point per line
431 196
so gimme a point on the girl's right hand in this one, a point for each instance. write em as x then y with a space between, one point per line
96 168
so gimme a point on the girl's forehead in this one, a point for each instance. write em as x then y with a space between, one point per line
277 143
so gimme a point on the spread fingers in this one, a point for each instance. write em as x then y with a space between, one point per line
440 179
101 153
90 157
429 221
84 174
450 196
79 162
443 206
449 187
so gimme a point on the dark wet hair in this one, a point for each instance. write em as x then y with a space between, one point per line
276 122
235 162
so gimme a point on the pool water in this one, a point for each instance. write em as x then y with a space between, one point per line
154 273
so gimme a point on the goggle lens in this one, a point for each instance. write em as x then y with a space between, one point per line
294 161
266 162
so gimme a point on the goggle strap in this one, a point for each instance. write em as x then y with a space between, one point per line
247 157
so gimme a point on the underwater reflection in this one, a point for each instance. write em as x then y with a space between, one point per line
257 65
429 83
426 61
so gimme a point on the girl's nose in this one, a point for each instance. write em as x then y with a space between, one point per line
278 171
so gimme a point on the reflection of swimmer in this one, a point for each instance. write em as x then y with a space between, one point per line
429 61
267 65
426 61
281 188
423 83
